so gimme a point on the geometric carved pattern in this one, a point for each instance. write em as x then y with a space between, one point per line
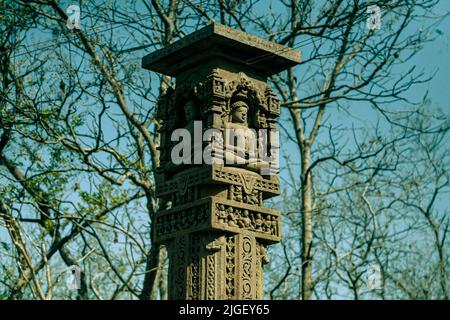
230 267
211 277
233 176
248 267
195 267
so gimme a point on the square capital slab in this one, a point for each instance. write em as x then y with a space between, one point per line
221 43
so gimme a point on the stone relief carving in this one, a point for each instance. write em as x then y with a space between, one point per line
218 214
247 219
230 266
247 267
238 105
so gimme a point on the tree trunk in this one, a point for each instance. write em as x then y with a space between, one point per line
307 227
154 268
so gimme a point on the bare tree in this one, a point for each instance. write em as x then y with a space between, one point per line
78 147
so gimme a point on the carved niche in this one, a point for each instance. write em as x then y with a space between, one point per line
212 102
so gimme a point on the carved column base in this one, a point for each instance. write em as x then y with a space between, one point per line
205 266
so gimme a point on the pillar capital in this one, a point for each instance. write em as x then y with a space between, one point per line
216 44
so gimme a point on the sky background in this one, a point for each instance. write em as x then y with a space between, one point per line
434 58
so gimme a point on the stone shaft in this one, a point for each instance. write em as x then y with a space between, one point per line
216 227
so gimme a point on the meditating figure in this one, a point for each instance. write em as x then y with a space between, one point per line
241 147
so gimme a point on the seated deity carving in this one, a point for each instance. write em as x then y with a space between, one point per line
241 142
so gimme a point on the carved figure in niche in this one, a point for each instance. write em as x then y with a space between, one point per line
274 225
231 217
245 221
239 113
190 114
267 225
258 221
263 255
241 142
238 137
222 214
252 198
236 193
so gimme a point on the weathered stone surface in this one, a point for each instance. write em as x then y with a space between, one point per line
217 228
219 41
208 175
215 213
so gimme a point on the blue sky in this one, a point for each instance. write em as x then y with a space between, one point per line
433 58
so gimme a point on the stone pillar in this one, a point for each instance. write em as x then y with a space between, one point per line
217 228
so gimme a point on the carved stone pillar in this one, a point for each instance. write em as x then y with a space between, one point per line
217 228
